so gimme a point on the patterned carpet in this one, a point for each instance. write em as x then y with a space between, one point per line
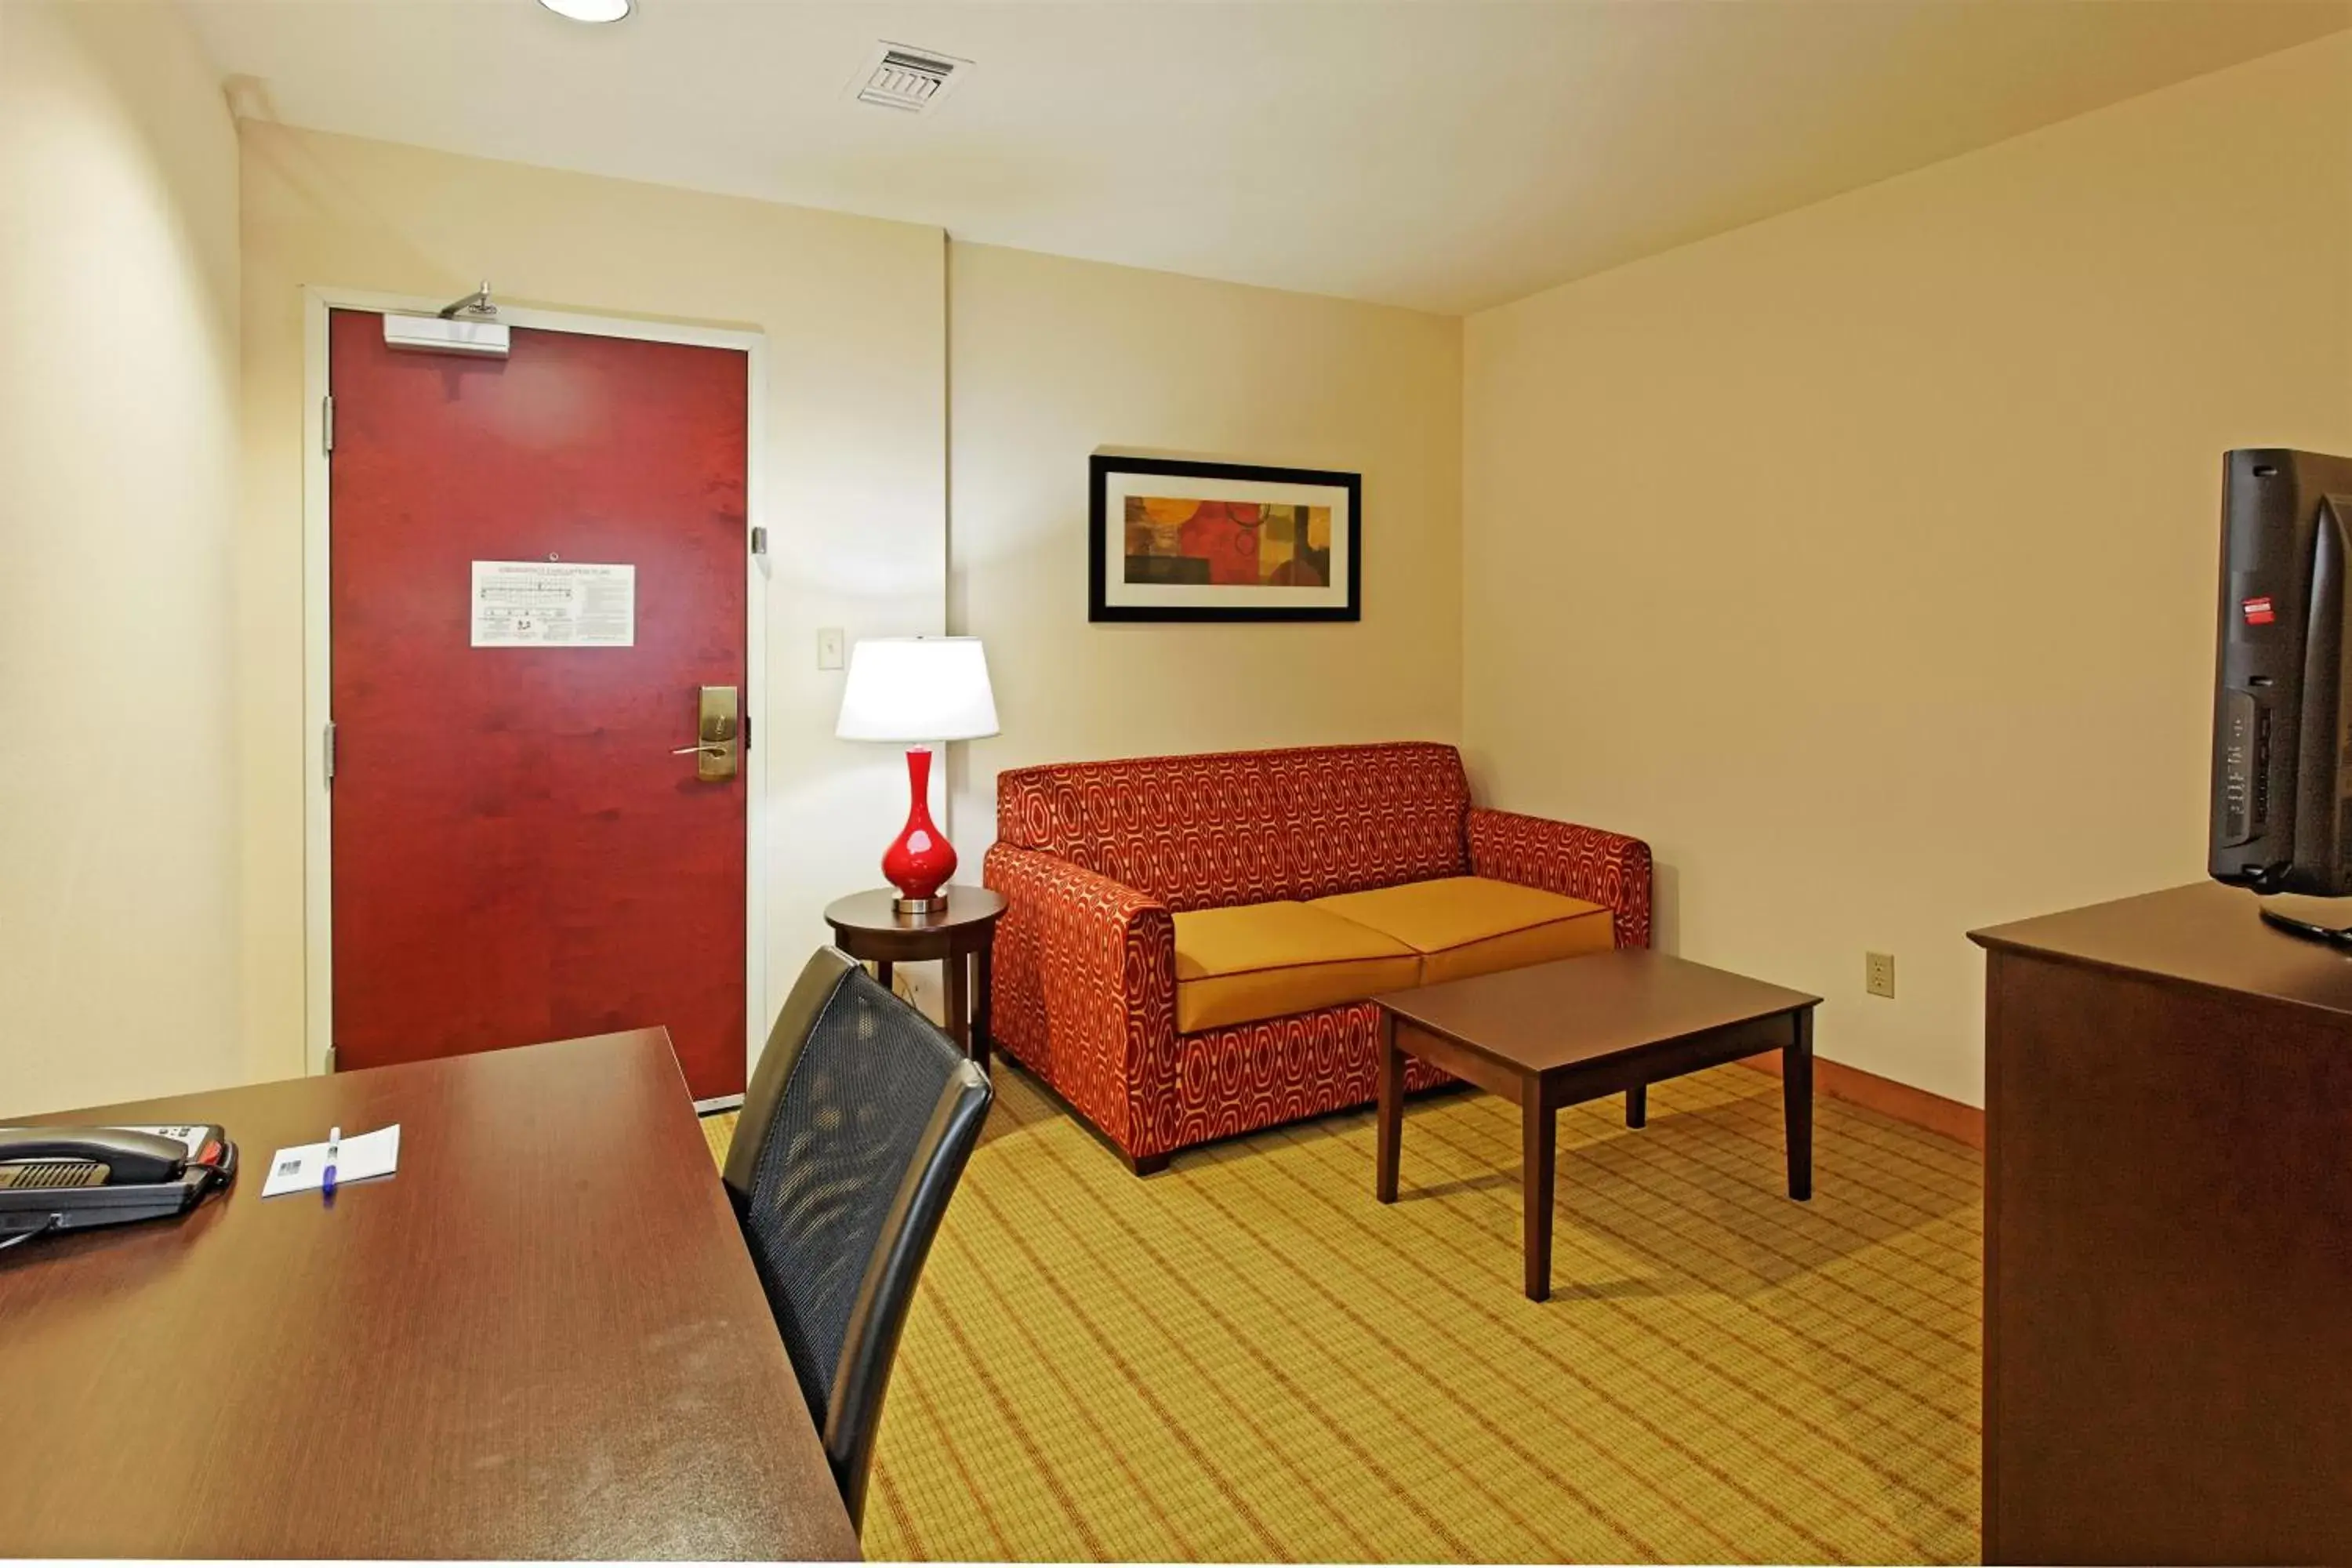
1247 1359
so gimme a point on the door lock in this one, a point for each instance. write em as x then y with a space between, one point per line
718 752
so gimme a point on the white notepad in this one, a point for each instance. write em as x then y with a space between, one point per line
360 1159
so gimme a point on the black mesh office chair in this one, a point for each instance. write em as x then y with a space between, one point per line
858 1122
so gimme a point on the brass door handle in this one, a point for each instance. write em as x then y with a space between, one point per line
719 754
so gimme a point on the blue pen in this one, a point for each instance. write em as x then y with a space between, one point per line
334 1144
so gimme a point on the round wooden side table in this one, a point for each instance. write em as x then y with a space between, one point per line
960 936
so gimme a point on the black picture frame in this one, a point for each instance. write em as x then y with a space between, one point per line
1101 466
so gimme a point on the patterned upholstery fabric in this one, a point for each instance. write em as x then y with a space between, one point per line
1249 1075
1560 857
1083 986
1095 859
1246 828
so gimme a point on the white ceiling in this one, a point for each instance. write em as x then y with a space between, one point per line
1448 154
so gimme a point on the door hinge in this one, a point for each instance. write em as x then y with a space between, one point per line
327 424
759 541
327 749
330 1059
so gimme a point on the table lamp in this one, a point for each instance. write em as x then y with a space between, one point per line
915 690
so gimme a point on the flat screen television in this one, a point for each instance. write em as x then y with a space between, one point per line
2281 820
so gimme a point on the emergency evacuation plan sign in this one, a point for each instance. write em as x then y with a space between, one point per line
554 604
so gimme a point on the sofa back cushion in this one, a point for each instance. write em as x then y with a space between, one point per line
1245 827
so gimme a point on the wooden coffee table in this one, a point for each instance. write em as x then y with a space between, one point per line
1559 1034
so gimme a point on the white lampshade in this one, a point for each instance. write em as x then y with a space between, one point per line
913 689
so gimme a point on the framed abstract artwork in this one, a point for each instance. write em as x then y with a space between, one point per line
1175 539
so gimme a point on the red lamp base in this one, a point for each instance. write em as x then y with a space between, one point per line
920 861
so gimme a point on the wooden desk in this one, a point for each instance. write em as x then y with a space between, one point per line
541 1338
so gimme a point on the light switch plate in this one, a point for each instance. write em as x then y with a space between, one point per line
828 647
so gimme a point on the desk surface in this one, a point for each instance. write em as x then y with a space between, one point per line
541 1338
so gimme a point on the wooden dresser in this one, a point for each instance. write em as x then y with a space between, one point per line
2169 1237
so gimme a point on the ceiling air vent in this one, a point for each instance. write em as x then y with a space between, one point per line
911 80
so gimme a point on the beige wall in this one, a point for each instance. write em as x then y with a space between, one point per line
852 310
118 482
1863 560
1054 359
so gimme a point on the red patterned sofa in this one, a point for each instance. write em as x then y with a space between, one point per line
1140 889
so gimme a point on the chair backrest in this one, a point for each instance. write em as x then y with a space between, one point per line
1243 828
858 1122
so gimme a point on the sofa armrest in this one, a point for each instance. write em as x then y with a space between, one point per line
1084 990
1589 863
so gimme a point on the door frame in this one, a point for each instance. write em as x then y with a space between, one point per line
317 798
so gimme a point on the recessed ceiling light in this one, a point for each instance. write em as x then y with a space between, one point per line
589 10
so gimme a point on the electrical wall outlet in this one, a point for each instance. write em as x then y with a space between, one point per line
1878 974
828 647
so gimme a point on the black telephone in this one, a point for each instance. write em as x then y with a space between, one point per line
72 1178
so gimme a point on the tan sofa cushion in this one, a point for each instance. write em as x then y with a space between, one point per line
1261 961
1475 925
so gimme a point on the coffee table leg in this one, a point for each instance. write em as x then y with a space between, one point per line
1797 1100
1537 1124
1391 1117
1637 1106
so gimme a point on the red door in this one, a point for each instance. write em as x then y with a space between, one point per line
518 854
